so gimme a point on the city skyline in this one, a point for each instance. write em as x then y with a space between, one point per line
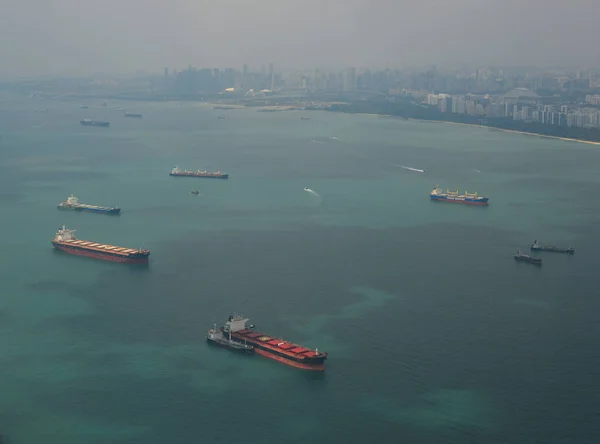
123 37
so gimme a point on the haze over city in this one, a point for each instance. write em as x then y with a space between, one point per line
73 37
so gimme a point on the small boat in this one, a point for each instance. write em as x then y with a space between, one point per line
195 192
553 248
526 258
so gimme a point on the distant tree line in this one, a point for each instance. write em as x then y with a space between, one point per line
410 110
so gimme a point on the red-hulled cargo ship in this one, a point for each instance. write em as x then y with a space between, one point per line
274 348
65 241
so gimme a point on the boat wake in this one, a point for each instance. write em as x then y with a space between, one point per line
308 190
334 138
415 170
477 171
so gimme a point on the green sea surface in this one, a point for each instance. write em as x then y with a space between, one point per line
434 333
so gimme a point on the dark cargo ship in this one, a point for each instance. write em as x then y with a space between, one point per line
65 240
216 337
553 248
238 329
526 258
72 203
89 122
136 115
438 195
203 174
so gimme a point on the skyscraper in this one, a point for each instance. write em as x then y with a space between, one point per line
272 76
350 79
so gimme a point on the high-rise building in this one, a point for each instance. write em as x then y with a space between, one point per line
443 105
350 79
271 76
245 79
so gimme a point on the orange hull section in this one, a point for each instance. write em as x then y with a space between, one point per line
316 367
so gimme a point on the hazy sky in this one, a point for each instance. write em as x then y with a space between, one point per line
121 36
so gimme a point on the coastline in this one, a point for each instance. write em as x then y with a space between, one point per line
566 139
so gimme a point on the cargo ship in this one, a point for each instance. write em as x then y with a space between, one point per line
89 122
66 241
72 203
139 116
553 248
239 330
526 258
453 196
216 337
205 174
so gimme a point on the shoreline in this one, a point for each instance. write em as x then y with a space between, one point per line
473 125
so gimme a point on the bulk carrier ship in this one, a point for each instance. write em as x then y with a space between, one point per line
536 246
72 203
453 196
66 241
238 329
204 174
90 122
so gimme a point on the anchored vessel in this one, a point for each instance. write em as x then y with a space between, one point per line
526 258
66 241
72 203
454 196
216 336
539 247
89 122
205 174
139 116
238 329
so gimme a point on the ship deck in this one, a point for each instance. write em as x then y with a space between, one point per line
287 348
95 207
103 248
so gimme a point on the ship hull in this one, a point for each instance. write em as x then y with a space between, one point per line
224 344
312 363
528 261
465 201
201 176
100 124
100 255
553 250
101 210
268 354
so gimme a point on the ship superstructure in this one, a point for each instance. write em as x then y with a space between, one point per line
239 329
437 194
66 241
72 203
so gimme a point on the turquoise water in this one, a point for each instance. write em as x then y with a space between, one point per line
434 333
